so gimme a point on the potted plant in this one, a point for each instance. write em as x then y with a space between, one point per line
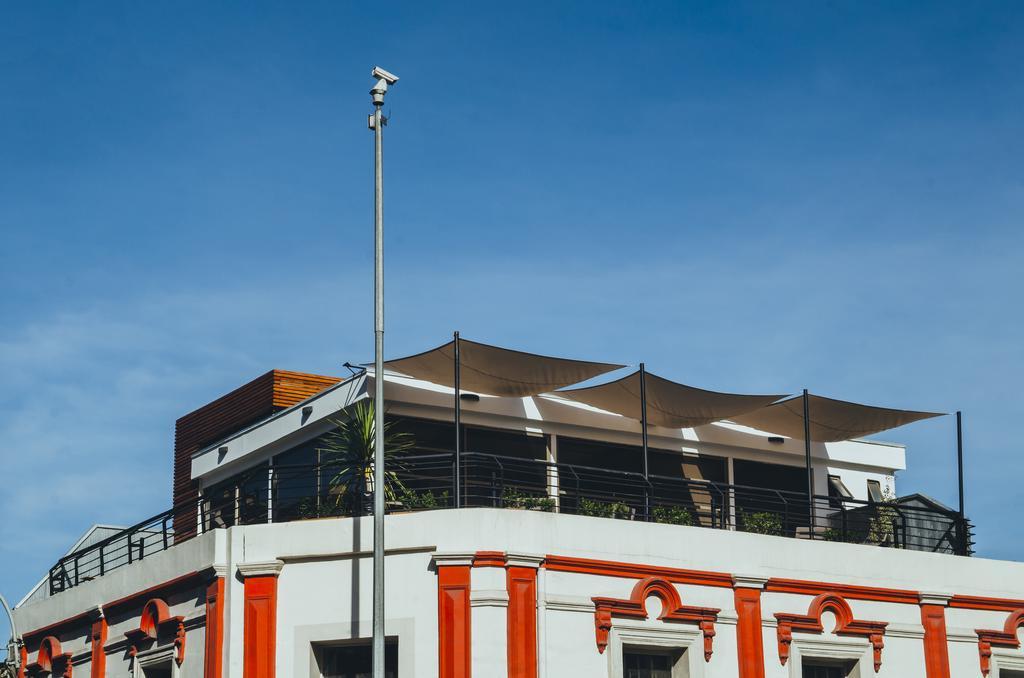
761 522
348 454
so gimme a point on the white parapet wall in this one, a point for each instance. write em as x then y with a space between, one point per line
322 591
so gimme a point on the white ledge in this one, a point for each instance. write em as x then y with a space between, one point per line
266 568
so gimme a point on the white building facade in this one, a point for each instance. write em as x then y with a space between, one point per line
549 567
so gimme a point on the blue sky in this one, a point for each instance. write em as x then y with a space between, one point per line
754 197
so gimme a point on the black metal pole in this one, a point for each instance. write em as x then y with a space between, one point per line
458 429
643 437
807 459
960 459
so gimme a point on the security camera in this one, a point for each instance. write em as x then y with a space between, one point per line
381 74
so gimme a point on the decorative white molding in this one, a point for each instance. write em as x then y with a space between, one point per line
857 651
745 581
488 598
961 635
655 635
569 604
452 558
523 560
934 598
219 570
914 631
265 568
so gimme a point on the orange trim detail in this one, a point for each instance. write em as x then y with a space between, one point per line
51 659
749 636
156 619
453 621
212 661
810 588
983 603
936 648
672 610
846 625
489 559
521 583
260 627
165 588
98 636
608 568
1007 637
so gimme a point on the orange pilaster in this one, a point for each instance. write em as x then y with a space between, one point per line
453 621
212 659
260 626
98 665
936 647
749 635
522 622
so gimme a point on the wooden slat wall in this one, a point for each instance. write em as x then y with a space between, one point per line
246 405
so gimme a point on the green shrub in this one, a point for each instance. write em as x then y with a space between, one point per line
672 515
514 498
831 534
416 501
761 522
881 526
600 509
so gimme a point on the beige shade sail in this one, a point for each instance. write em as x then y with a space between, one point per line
831 420
668 404
491 370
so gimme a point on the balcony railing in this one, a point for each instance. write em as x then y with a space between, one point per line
425 482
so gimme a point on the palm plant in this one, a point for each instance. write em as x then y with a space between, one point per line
349 450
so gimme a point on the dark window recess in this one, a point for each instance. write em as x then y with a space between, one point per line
252 495
600 455
430 437
691 467
647 665
296 485
773 489
824 671
219 505
505 443
875 491
240 500
355 661
770 476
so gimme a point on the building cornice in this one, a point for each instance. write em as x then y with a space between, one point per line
264 568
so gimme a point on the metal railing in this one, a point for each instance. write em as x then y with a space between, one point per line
426 481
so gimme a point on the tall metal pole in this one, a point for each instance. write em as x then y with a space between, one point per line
643 438
458 427
807 459
377 123
960 458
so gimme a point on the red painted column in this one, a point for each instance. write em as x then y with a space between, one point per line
749 634
521 583
213 656
936 646
260 619
98 665
453 618
24 660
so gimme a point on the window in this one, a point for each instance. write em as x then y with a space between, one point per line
649 664
874 491
824 670
161 670
355 661
837 492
